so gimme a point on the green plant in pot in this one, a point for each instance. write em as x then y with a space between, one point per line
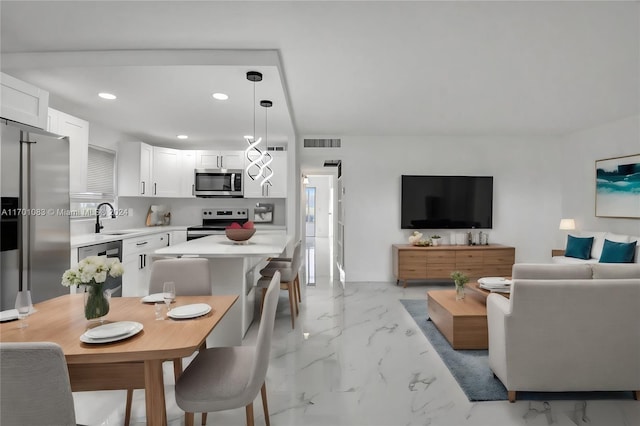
460 279
435 240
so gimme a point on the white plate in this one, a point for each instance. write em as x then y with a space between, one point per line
495 281
189 311
138 328
153 298
8 315
113 329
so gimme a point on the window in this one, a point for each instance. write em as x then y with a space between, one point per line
100 171
100 184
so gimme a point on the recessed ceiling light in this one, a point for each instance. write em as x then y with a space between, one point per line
220 96
108 96
183 137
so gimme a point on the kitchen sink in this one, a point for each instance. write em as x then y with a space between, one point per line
121 232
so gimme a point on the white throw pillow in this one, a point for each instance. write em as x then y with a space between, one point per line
598 242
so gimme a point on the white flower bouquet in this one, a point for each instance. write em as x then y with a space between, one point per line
92 272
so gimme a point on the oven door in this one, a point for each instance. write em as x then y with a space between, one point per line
218 183
193 234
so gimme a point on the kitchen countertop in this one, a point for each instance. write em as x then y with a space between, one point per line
120 234
262 244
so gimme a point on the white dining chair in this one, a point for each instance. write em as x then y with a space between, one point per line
225 378
34 385
289 279
192 278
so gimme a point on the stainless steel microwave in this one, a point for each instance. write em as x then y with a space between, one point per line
219 182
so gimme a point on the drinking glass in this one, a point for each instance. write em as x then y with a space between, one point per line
23 306
169 293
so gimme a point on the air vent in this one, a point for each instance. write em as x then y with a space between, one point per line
322 143
276 148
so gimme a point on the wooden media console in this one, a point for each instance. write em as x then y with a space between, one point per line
424 263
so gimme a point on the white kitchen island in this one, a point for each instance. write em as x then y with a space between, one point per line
234 269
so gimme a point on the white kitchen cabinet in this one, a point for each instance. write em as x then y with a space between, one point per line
187 174
77 130
219 159
134 169
23 102
136 260
177 237
278 187
165 172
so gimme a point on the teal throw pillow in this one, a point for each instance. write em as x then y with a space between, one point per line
577 247
613 252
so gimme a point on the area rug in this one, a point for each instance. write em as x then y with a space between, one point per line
471 369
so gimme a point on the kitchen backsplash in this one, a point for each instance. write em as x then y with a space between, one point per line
184 211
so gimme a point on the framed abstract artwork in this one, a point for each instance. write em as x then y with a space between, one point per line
618 187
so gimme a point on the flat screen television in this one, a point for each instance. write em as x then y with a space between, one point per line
446 202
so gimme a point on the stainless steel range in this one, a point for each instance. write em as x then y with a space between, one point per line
214 221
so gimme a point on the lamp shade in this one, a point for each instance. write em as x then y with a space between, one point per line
567 224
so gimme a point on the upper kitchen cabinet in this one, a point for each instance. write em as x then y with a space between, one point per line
165 172
278 187
134 169
78 132
23 102
187 173
219 159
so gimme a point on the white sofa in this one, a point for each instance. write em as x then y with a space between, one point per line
567 328
596 248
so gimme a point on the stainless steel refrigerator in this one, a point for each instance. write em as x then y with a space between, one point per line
34 236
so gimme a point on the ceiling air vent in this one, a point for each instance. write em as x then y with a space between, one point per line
276 148
322 143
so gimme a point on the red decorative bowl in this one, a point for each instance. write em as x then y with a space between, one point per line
239 234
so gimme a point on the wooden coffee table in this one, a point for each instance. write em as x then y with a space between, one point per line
462 322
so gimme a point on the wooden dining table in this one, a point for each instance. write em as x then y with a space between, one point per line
132 363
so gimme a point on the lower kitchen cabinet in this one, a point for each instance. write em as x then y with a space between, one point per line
136 260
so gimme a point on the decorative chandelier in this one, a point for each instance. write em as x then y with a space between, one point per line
253 154
265 171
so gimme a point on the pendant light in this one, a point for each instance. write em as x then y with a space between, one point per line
266 173
253 153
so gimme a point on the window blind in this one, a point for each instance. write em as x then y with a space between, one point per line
100 171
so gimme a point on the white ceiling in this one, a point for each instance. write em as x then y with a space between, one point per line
363 68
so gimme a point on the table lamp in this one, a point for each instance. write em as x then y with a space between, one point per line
567 224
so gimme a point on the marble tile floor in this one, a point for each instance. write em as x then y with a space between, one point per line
357 358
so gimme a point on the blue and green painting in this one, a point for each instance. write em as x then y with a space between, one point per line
618 187
624 178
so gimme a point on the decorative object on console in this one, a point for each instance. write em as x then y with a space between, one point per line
435 240
92 273
618 187
614 252
460 279
416 238
577 247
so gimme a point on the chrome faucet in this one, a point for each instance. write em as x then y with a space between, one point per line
113 215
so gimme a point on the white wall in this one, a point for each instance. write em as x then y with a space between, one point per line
580 152
104 137
527 194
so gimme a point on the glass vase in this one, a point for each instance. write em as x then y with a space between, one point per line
96 302
459 292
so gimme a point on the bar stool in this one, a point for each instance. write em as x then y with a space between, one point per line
284 262
289 280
